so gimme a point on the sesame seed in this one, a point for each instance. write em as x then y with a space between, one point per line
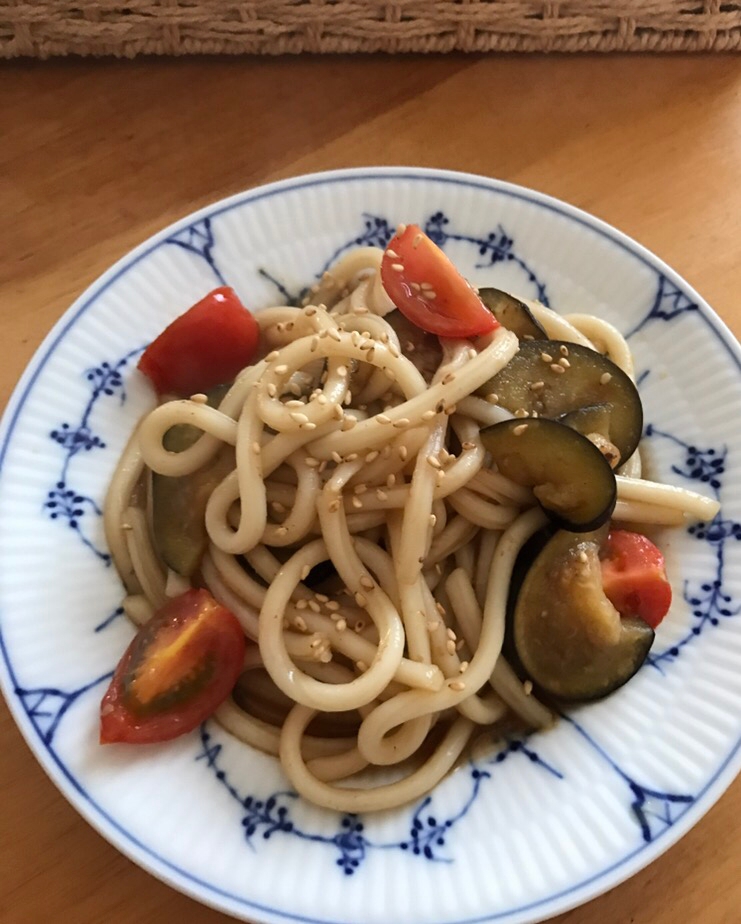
450 646
563 350
300 623
357 503
301 604
278 507
451 634
272 390
430 294
582 556
351 457
492 398
519 430
521 412
333 605
605 378
546 357
314 606
322 398
392 253
417 240
433 520
451 409
373 454
464 667
397 267
361 666
557 369
400 229
348 423
433 461
341 625
294 403
527 687
256 447
305 572
337 411
440 608
564 362
403 453
282 369
438 568
428 415
433 625
458 686
468 446
383 418
367 582
536 386
401 423
282 531
415 287
361 600
322 464
310 310
315 643
311 462
342 371
360 488
361 309
314 344
439 477
272 356
299 417
336 457
199 398
390 480
381 495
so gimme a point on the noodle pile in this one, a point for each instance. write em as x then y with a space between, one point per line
340 450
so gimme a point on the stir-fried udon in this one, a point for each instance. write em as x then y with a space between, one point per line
362 497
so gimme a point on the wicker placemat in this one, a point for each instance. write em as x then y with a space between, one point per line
43 28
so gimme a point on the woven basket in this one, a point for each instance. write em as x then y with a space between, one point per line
43 28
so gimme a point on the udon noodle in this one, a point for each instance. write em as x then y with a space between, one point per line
340 450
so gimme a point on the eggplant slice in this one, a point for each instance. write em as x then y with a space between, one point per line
179 504
569 639
513 314
569 476
554 378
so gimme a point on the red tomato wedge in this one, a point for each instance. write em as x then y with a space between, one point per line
179 667
206 346
429 291
634 577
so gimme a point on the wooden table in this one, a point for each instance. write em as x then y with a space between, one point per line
95 156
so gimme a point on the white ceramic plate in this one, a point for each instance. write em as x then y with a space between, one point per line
548 822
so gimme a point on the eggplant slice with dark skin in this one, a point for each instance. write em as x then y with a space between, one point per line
569 639
569 476
553 378
513 314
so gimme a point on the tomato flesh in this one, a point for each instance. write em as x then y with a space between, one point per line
179 667
634 577
429 291
204 347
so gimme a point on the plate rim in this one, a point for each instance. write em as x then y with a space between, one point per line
126 842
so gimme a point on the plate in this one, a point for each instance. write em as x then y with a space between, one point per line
546 822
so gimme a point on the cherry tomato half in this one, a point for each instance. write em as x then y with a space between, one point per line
179 667
429 291
634 577
206 346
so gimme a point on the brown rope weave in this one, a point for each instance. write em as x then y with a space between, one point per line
43 28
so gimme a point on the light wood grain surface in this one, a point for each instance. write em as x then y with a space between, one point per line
95 156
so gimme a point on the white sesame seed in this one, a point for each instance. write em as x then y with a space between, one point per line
305 572
361 600
527 687
311 462
300 623
557 369
402 422
367 582
605 378
348 423
383 418
519 430
546 357
458 686
564 362
521 412
357 503
468 446
302 604
299 417
397 267
536 386
256 447
361 666
451 634
351 457
464 667
415 287
430 294
432 520
492 398
450 646
360 488
403 453
563 350
272 356
373 454
310 310
341 625
337 411
314 606
334 334
282 369
336 457
433 461
381 495
433 625
199 398
400 229
282 531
